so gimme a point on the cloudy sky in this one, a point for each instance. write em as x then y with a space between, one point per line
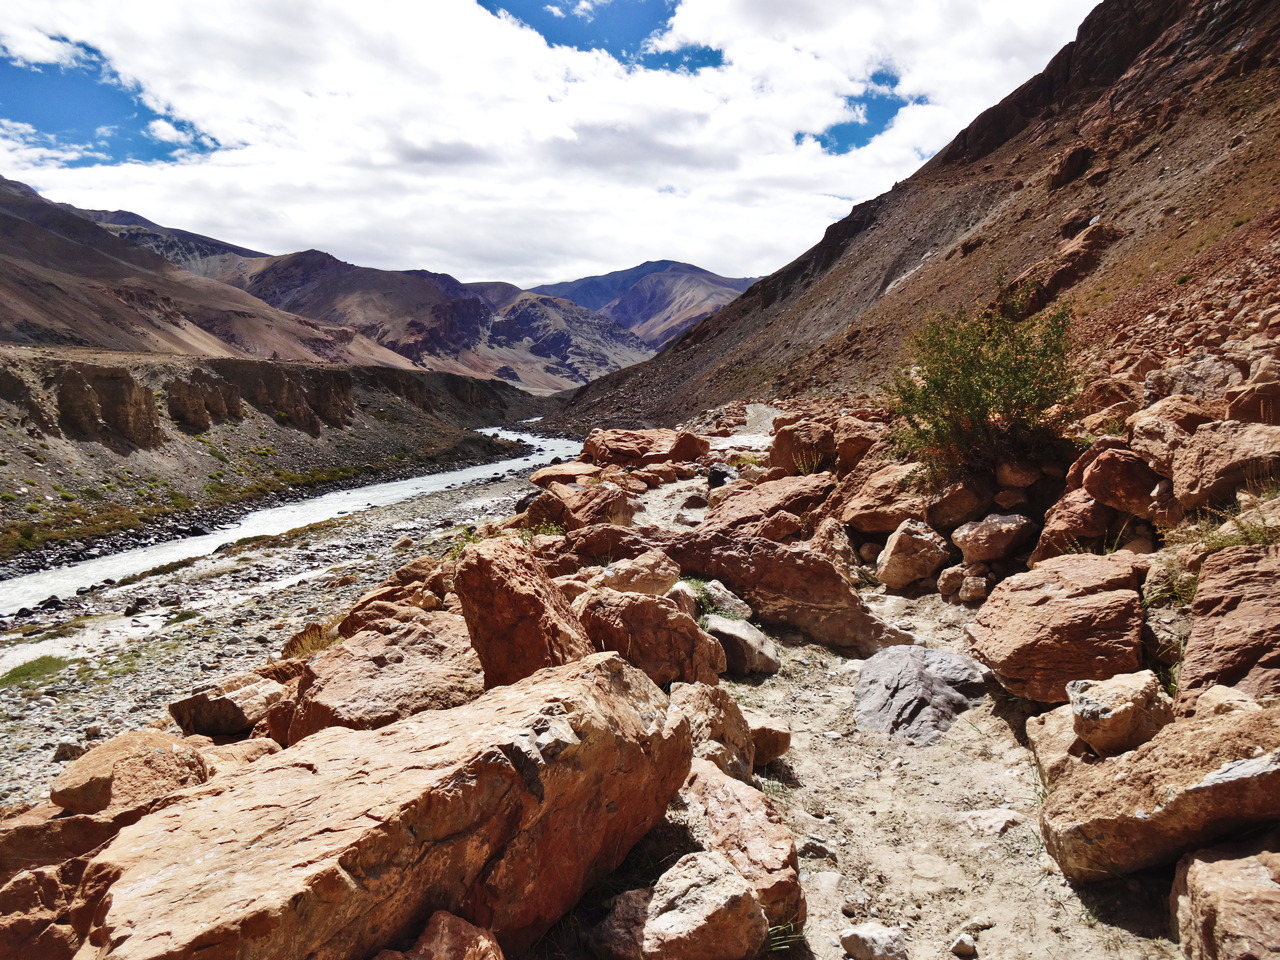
519 140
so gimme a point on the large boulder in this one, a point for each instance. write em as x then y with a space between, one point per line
127 772
805 447
47 835
886 498
916 694
413 588
518 619
1223 457
1235 625
502 811
571 472
652 572
1122 480
719 729
854 437
571 508
373 679
995 537
1120 713
1073 523
638 448
912 552
959 503
700 909
770 737
1193 782
1226 901
747 648
730 817
651 633
747 510
1075 617
789 587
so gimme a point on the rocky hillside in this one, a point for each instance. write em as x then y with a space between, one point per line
66 281
1129 178
180 247
657 301
96 442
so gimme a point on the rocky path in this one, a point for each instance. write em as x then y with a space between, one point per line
132 649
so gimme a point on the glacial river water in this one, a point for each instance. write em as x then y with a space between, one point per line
30 590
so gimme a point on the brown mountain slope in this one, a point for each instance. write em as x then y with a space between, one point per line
66 281
536 342
1158 126
661 306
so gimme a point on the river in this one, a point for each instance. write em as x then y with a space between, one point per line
29 590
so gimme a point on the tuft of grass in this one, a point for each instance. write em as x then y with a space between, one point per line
33 671
309 641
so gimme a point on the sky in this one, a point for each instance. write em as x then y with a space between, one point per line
517 140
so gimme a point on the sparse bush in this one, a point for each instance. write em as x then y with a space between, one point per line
982 389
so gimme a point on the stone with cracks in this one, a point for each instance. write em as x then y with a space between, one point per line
518 619
1235 625
651 633
771 737
788 587
502 812
46 835
912 552
127 772
995 537
749 510
1075 617
725 601
1226 901
700 909
803 448
415 587
652 572
719 729
730 817
916 694
231 707
638 448
1122 480
572 508
1120 713
885 500
960 503
1192 783
372 679
572 472
874 941
747 649
1072 523
1223 457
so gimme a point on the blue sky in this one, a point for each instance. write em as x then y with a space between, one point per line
503 139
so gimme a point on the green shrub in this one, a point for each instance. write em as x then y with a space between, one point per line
983 389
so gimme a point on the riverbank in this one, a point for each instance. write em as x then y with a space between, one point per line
117 656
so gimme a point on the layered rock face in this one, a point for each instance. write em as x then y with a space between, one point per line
501 811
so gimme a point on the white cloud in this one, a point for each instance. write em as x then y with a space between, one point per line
440 136
554 11
166 132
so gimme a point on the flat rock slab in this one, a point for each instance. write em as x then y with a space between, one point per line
501 811
914 693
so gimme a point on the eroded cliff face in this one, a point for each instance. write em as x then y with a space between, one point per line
1156 129
106 441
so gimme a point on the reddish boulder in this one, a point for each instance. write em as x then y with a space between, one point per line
854 438
1223 457
730 817
502 811
1071 525
720 732
638 448
1120 713
571 508
518 619
1076 617
995 537
788 587
571 473
231 707
1193 782
749 509
912 552
959 503
651 633
652 572
1235 625
449 938
1226 901
1075 475
805 447
374 679
1122 480
1255 402
127 772
886 499
45 836
415 587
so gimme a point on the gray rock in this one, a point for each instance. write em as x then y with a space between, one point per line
726 601
874 941
746 648
911 692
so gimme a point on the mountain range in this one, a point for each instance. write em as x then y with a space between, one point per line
116 280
